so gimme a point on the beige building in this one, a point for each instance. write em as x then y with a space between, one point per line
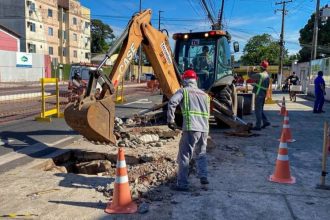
59 28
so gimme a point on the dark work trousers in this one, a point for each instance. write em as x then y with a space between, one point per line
192 146
319 101
259 110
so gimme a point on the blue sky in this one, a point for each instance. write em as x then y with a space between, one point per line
242 18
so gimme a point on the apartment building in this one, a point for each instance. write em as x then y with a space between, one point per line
59 28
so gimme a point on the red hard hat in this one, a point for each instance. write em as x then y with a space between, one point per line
264 64
189 74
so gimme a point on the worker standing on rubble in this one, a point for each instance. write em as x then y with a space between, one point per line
260 91
195 107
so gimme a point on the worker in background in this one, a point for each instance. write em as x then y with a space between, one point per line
260 91
195 107
293 79
319 93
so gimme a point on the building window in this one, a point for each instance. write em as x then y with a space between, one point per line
86 55
74 20
50 13
31 48
86 40
75 37
50 31
31 7
86 25
50 50
64 35
75 54
32 27
64 51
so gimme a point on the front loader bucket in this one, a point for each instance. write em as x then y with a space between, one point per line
94 119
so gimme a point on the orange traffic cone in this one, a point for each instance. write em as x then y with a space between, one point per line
286 131
122 200
282 168
283 107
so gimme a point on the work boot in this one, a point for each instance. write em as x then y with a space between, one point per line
265 125
204 181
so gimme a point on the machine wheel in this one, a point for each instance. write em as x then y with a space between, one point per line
240 106
228 97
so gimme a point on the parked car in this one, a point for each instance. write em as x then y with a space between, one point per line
147 77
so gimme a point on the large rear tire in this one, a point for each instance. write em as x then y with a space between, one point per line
228 97
240 106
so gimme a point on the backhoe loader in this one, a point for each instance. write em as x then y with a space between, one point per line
94 117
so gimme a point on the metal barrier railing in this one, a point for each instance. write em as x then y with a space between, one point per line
45 114
120 93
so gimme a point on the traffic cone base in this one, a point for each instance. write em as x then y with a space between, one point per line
130 208
275 179
121 202
289 140
282 172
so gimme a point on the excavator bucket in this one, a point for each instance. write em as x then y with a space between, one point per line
94 119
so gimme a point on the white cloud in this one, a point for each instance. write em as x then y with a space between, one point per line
243 21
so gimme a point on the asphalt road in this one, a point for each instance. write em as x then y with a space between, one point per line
25 139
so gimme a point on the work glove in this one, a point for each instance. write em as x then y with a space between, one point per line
171 126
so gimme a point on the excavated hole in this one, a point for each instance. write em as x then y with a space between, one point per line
90 163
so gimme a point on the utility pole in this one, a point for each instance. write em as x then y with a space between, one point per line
221 14
159 19
140 54
280 69
316 31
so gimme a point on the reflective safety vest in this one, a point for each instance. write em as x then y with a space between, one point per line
195 110
263 77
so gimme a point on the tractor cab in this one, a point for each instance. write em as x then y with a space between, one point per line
207 53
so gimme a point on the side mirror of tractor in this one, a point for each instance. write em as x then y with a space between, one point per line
236 46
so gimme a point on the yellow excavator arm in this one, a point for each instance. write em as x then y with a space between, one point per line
94 118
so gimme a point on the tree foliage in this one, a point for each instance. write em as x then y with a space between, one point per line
101 35
261 47
306 37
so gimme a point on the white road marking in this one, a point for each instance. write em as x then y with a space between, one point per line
3 142
140 101
29 150
21 96
59 141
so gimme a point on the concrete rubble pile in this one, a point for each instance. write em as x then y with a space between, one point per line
146 180
141 137
153 171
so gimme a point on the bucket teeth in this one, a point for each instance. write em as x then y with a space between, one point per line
94 119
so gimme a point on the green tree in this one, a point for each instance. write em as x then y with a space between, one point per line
102 35
306 37
290 59
261 47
